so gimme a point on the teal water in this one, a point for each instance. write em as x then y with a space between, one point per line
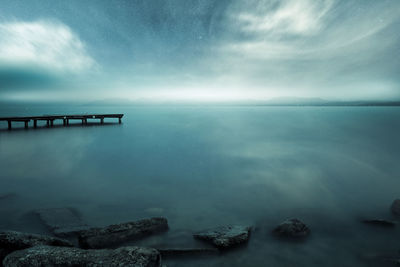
206 166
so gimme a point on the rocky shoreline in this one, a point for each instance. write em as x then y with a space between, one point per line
99 246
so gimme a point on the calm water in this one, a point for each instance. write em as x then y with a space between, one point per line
207 166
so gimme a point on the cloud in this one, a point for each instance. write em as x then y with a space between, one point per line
46 44
322 48
203 49
22 78
297 17
304 29
40 55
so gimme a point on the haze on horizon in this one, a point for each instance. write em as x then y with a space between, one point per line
203 50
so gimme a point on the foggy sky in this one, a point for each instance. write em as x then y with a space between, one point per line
199 50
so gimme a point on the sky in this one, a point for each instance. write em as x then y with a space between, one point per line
199 50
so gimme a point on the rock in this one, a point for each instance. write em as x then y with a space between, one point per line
3 254
62 221
379 222
225 236
292 228
186 251
11 241
396 207
7 196
118 233
63 256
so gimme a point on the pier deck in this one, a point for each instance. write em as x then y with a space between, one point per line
65 118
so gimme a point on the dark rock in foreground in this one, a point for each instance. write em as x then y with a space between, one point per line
3 254
379 222
44 256
225 236
11 241
118 233
186 251
62 221
292 228
395 208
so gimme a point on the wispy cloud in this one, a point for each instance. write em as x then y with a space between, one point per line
45 44
41 55
297 17
324 48
305 28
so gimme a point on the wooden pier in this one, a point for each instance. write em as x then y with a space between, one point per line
65 119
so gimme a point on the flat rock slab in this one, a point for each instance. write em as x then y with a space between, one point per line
119 233
380 222
62 221
46 256
11 241
292 228
225 236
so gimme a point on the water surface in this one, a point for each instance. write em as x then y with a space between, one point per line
206 166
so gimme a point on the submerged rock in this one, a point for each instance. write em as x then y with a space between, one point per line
11 241
7 196
380 258
186 251
62 221
380 222
118 233
292 228
395 208
225 236
63 256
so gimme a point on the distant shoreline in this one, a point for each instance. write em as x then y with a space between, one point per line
204 104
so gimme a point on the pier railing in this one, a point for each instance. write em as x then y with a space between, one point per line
65 118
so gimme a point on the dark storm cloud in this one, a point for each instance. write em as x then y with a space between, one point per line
12 79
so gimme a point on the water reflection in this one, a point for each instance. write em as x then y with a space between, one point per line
202 167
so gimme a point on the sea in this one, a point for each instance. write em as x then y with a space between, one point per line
207 166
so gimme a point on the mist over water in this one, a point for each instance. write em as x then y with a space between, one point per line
201 167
